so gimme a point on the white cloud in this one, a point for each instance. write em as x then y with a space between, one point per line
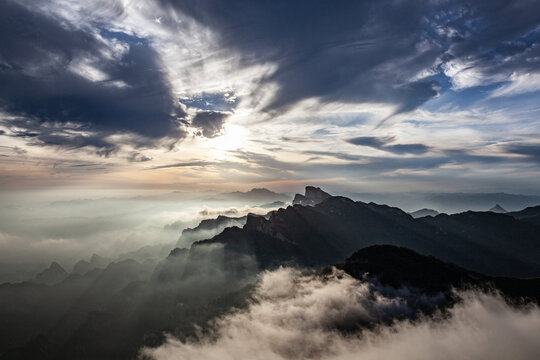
519 84
468 74
83 67
295 316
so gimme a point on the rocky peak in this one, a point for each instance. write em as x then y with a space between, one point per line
313 196
52 275
497 209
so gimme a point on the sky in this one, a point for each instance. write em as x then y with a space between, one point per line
217 95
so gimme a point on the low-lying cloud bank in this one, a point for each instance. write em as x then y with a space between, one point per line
296 316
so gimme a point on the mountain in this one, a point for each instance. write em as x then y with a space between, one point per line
29 309
170 268
49 317
397 267
498 209
530 215
273 205
495 244
95 262
313 196
507 246
449 202
52 275
456 202
208 228
424 212
255 195
111 313
152 253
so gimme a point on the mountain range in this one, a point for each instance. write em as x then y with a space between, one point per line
491 243
109 309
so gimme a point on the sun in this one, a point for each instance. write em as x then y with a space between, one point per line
234 137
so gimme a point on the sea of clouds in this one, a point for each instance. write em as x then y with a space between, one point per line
296 315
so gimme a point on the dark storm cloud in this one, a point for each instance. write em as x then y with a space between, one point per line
501 35
359 51
210 123
462 156
530 151
382 143
367 51
40 89
364 50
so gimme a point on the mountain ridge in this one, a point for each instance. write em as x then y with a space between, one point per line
329 230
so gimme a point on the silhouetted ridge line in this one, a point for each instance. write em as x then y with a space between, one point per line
324 233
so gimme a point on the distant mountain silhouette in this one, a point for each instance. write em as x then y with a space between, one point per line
498 209
424 212
52 275
210 224
275 204
208 228
397 266
448 202
530 215
452 202
256 195
48 318
491 243
96 262
313 196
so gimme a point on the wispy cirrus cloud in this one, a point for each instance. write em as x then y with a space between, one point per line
384 144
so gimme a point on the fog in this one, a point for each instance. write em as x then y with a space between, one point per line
37 228
298 316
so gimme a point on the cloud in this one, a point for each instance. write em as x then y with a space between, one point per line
299 139
198 163
295 316
368 52
492 42
350 54
36 232
74 88
234 211
519 84
463 156
210 123
530 151
337 155
381 143
138 157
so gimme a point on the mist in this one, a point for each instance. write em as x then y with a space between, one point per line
297 316
39 227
